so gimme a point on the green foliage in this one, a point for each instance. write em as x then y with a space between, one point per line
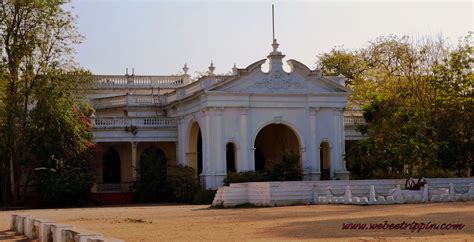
182 183
288 168
151 185
43 119
418 103
204 196
68 187
245 176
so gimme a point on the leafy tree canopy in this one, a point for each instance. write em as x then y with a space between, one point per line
417 98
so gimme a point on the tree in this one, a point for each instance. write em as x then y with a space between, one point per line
43 119
417 98
151 185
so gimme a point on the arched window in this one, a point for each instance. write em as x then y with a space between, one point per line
111 171
194 150
230 157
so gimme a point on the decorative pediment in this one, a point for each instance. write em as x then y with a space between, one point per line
300 80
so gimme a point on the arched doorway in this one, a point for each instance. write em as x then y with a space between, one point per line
111 171
230 157
272 142
325 160
194 154
153 159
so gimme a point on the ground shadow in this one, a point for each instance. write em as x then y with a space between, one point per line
8 235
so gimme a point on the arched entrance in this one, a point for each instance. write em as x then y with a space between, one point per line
230 157
325 159
272 142
194 154
153 159
111 171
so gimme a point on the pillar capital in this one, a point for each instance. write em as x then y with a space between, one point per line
313 110
218 110
244 110
204 112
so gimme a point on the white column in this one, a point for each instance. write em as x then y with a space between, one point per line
343 140
219 160
313 151
340 138
180 143
340 166
134 160
207 168
243 161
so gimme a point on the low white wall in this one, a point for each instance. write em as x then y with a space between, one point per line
45 231
377 191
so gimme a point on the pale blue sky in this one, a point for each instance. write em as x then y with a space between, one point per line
158 37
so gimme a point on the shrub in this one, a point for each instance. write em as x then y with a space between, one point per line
69 186
151 185
204 196
182 183
245 176
288 168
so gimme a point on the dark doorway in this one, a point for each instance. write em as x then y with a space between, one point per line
199 151
325 162
230 157
259 160
111 171
272 142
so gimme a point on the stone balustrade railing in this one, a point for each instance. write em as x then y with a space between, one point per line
43 230
131 81
141 122
343 192
187 90
126 101
353 120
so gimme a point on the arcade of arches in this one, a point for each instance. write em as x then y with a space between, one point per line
120 160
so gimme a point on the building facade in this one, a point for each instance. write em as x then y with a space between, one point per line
216 124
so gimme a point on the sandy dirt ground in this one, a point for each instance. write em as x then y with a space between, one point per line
313 222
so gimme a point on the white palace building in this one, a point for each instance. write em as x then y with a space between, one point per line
221 123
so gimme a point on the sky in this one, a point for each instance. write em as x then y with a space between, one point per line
158 37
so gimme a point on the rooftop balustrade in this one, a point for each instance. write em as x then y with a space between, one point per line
133 81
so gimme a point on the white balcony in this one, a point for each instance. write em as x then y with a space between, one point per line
126 101
353 120
139 122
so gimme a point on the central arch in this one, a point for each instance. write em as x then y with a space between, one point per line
272 141
194 150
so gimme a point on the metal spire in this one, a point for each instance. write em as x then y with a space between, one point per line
273 21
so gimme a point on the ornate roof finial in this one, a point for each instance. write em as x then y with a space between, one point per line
185 68
234 69
211 69
274 41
